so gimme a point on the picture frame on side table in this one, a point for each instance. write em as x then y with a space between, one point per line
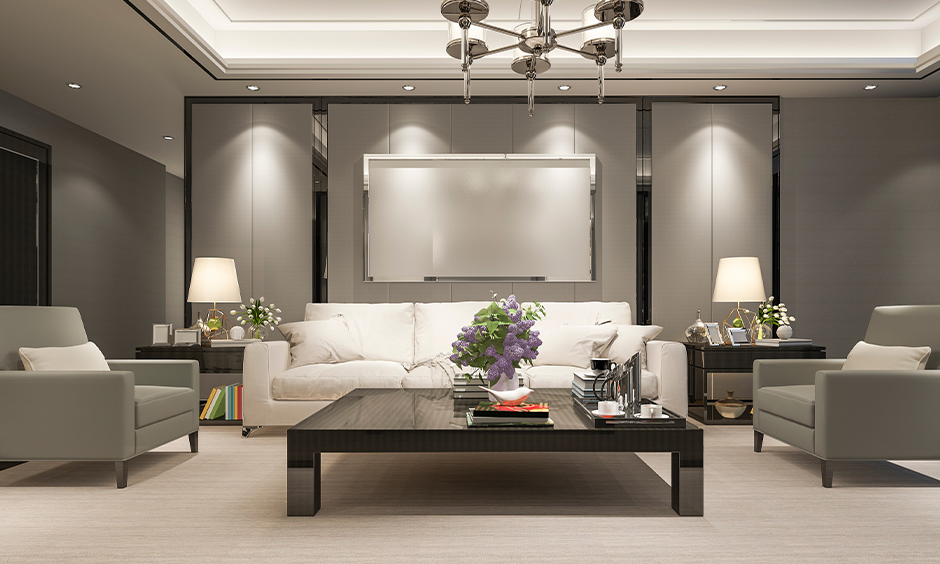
714 334
187 337
162 333
738 336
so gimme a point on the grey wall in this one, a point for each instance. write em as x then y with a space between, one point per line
607 131
108 228
252 191
711 198
860 196
175 250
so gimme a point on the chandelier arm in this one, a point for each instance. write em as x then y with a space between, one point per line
576 30
498 29
587 54
494 51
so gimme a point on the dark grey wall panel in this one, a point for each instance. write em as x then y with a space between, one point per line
860 196
282 204
682 223
108 228
175 252
222 190
479 291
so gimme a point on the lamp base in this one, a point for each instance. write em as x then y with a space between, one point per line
747 319
216 325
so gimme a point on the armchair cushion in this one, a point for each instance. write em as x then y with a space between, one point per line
796 403
79 357
865 356
156 403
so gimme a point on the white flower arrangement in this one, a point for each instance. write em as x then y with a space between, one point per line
258 315
772 314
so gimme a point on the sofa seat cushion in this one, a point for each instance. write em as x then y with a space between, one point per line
561 377
156 403
430 375
332 381
796 403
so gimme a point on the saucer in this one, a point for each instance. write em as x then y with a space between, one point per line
660 416
599 414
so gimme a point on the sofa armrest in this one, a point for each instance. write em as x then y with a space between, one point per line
877 414
178 373
59 415
791 372
263 361
668 360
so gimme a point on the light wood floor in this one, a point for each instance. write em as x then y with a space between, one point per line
226 504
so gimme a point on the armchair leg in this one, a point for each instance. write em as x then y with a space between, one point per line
758 441
194 441
826 468
121 473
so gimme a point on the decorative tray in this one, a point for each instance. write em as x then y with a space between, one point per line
585 409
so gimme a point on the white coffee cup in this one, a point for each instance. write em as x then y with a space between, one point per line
656 410
608 408
645 411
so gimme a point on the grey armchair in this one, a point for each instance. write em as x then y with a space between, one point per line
88 415
852 415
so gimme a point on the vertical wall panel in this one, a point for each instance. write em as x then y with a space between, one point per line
175 251
481 128
419 129
682 223
550 130
282 204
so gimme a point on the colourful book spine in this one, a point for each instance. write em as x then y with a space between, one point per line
229 411
205 409
238 402
218 407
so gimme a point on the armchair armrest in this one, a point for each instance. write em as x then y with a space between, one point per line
668 360
791 372
59 415
877 414
178 373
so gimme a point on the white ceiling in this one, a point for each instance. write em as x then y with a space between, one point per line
134 79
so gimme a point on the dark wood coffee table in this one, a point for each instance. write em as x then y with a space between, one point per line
430 420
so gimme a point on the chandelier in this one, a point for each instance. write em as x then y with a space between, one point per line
535 39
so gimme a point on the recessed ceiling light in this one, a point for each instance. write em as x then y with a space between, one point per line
74 85
720 87
253 88
408 87
564 87
168 137
871 86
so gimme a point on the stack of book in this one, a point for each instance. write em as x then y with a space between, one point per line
492 414
783 342
224 402
582 386
232 342
470 389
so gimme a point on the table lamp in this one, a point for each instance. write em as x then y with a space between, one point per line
214 280
739 280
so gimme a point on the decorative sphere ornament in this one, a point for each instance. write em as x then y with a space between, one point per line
697 333
784 332
237 333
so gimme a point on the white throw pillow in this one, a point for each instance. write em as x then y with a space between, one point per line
78 357
631 339
321 342
573 345
866 356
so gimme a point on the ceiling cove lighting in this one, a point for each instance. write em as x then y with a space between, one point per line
720 87
408 87
564 87
871 87
253 87
74 85
534 40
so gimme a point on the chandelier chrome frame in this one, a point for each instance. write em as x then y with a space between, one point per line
536 39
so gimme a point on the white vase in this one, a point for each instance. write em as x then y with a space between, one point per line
504 384
784 332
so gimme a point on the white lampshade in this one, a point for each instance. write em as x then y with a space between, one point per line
214 280
739 280
587 18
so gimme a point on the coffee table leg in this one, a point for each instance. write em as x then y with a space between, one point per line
688 483
303 483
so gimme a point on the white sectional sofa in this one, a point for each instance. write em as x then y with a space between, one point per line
406 345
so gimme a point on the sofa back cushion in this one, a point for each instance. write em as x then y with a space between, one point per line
586 313
907 325
321 342
383 331
573 345
437 325
37 326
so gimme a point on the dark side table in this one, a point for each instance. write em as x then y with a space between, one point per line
713 371
218 366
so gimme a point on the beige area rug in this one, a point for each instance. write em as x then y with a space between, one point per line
226 504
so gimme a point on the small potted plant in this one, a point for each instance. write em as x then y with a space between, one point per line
259 317
768 315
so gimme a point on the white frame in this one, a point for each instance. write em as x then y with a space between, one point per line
186 337
714 334
737 336
162 333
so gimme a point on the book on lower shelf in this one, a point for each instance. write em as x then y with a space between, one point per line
783 342
225 402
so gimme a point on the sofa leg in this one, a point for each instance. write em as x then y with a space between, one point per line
758 441
248 430
120 469
826 468
194 441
